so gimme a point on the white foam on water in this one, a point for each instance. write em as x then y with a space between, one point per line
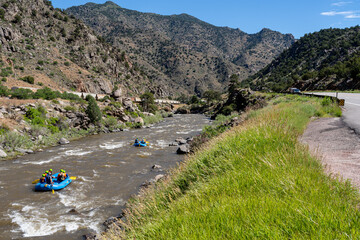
110 146
3 168
160 131
162 143
144 154
96 174
183 132
77 152
34 221
42 162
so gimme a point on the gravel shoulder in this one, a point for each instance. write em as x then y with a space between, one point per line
337 146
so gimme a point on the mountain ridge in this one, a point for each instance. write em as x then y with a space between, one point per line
327 59
180 49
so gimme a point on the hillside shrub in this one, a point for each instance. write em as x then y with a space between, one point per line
28 79
4 91
21 93
15 140
6 72
93 110
47 93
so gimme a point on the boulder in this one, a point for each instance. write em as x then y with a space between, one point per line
159 177
24 151
64 141
183 149
73 211
179 139
1 115
139 120
117 94
71 115
182 142
127 102
156 167
2 154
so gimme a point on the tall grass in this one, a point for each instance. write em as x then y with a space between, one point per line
253 182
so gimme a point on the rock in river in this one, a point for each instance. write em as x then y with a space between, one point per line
64 141
2 153
183 149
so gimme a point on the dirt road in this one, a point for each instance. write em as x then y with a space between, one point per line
338 146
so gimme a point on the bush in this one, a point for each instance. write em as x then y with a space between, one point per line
67 64
5 72
17 19
4 91
110 122
3 79
70 108
47 93
14 140
28 79
37 130
2 14
21 93
70 96
93 110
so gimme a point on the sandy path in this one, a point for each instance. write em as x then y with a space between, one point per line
337 145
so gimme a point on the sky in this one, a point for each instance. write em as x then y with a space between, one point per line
297 17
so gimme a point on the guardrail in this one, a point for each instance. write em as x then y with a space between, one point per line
341 102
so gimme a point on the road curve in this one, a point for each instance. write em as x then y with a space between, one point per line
351 112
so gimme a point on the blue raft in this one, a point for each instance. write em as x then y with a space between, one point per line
56 186
139 144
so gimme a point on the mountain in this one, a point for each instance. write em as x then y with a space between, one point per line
328 59
61 52
183 51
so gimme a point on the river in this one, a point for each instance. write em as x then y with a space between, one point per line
108 169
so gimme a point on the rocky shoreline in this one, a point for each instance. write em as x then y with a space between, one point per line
64 120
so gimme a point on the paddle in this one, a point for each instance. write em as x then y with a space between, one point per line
73 178
53 192
35 181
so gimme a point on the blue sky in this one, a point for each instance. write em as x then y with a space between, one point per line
297 17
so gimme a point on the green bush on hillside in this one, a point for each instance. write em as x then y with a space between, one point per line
28 79
93 110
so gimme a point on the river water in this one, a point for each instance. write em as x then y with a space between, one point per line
108 169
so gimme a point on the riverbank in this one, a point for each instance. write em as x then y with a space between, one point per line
254 181
28 126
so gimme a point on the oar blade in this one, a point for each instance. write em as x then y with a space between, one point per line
73 178
53 192
35 181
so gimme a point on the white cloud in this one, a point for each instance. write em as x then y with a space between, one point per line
340 4
352 16
334 13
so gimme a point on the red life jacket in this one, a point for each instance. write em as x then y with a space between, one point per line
42 179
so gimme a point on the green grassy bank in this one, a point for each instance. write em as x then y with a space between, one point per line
255 181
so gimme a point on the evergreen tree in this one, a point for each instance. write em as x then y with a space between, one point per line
93 110
148 102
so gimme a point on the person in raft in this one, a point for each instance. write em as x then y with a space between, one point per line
51 173
42 179
136 140
143 141
48 178
61 176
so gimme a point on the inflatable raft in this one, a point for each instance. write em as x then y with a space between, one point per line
139 144
56 186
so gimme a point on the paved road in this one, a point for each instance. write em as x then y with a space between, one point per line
351 113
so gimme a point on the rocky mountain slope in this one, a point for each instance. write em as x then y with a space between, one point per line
328 59
61 52
187 53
